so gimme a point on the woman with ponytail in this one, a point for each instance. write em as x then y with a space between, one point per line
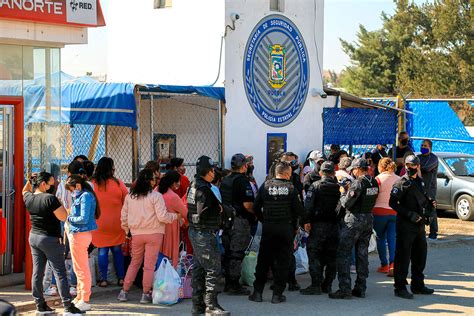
384 216
169 183
82 221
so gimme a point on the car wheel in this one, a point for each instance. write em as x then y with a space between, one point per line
464 208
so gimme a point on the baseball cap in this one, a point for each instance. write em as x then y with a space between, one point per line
238 160
249 158
414 160
358 163
328 167
204 162
345 162
316 155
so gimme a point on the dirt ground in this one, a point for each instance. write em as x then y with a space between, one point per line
451 227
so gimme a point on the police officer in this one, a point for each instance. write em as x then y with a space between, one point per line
321 209
316 158
237 193
413 206
358 200
204 212
281 208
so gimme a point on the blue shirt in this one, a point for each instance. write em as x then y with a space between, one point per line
82 216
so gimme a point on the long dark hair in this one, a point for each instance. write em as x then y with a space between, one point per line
104 171
71 184
171 177
43 176
142 186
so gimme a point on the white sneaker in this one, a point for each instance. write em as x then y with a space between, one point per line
83 306
51 291
353 270
72 291
123 296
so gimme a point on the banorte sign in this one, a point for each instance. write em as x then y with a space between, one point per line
66 12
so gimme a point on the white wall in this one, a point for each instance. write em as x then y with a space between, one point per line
244 131
178 45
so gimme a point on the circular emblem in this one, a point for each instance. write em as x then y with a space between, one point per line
276 71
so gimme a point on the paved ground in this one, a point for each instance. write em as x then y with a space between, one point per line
450 227
450 271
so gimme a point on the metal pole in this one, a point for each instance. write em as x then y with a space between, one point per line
152 127
220 136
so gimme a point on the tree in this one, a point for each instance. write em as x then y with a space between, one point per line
424 49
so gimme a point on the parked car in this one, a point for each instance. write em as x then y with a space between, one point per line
456 184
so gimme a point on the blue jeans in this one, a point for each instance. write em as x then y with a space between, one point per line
385 228
103 258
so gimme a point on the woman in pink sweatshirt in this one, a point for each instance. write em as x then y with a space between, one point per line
144 215
384 216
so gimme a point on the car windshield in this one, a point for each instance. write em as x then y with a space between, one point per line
461 166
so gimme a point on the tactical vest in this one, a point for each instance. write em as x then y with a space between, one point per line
210 218
277 200
227 191
328 196
368 196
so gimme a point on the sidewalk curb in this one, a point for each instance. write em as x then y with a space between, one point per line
55 302
441 242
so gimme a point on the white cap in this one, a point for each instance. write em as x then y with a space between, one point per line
316 155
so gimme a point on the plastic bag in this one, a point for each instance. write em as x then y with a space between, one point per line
166 284
249 264
302 261
373 242
186 290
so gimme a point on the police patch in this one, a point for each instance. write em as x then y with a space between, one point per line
249 192
395 190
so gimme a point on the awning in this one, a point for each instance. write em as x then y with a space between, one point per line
207 91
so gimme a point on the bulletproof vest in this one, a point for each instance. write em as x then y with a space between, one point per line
368 196
277 200
227 190
210 218
328 196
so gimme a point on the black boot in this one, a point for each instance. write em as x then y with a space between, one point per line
403 293
313 289
256 297
236 289
213 307
43 309
199 308
278 298
293 286
358 293
424 290
326 286
340 295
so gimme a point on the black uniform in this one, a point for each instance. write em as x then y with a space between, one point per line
281 208
235 190
310 178
356 229
204 219
409 200
320 205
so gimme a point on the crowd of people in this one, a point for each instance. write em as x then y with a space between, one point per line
338 200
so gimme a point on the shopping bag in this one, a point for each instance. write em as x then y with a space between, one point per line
247 275
186 290
166 284
302 261
373 242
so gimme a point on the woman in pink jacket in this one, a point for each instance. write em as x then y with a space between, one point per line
384 216
144 215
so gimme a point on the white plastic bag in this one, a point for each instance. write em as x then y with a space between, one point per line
302 261
373 242
166 284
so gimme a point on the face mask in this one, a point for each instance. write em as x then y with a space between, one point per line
404 142
312 165
412 171
424 150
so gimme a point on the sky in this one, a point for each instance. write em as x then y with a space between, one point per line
342 19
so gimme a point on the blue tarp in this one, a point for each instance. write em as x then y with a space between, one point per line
207 91
436 119
354 126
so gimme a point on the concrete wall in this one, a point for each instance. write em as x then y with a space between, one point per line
244 131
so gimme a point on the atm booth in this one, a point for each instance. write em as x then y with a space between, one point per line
31 38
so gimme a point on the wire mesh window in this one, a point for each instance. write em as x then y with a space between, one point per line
177 125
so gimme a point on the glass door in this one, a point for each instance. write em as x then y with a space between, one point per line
6 188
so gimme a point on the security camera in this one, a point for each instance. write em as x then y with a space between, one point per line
234 16
315 92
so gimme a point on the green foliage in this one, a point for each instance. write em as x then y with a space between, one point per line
424 49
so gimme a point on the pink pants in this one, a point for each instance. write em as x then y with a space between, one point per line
143 247
79 243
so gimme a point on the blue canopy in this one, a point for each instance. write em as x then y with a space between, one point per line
207 91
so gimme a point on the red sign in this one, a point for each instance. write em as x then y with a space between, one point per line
66 12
